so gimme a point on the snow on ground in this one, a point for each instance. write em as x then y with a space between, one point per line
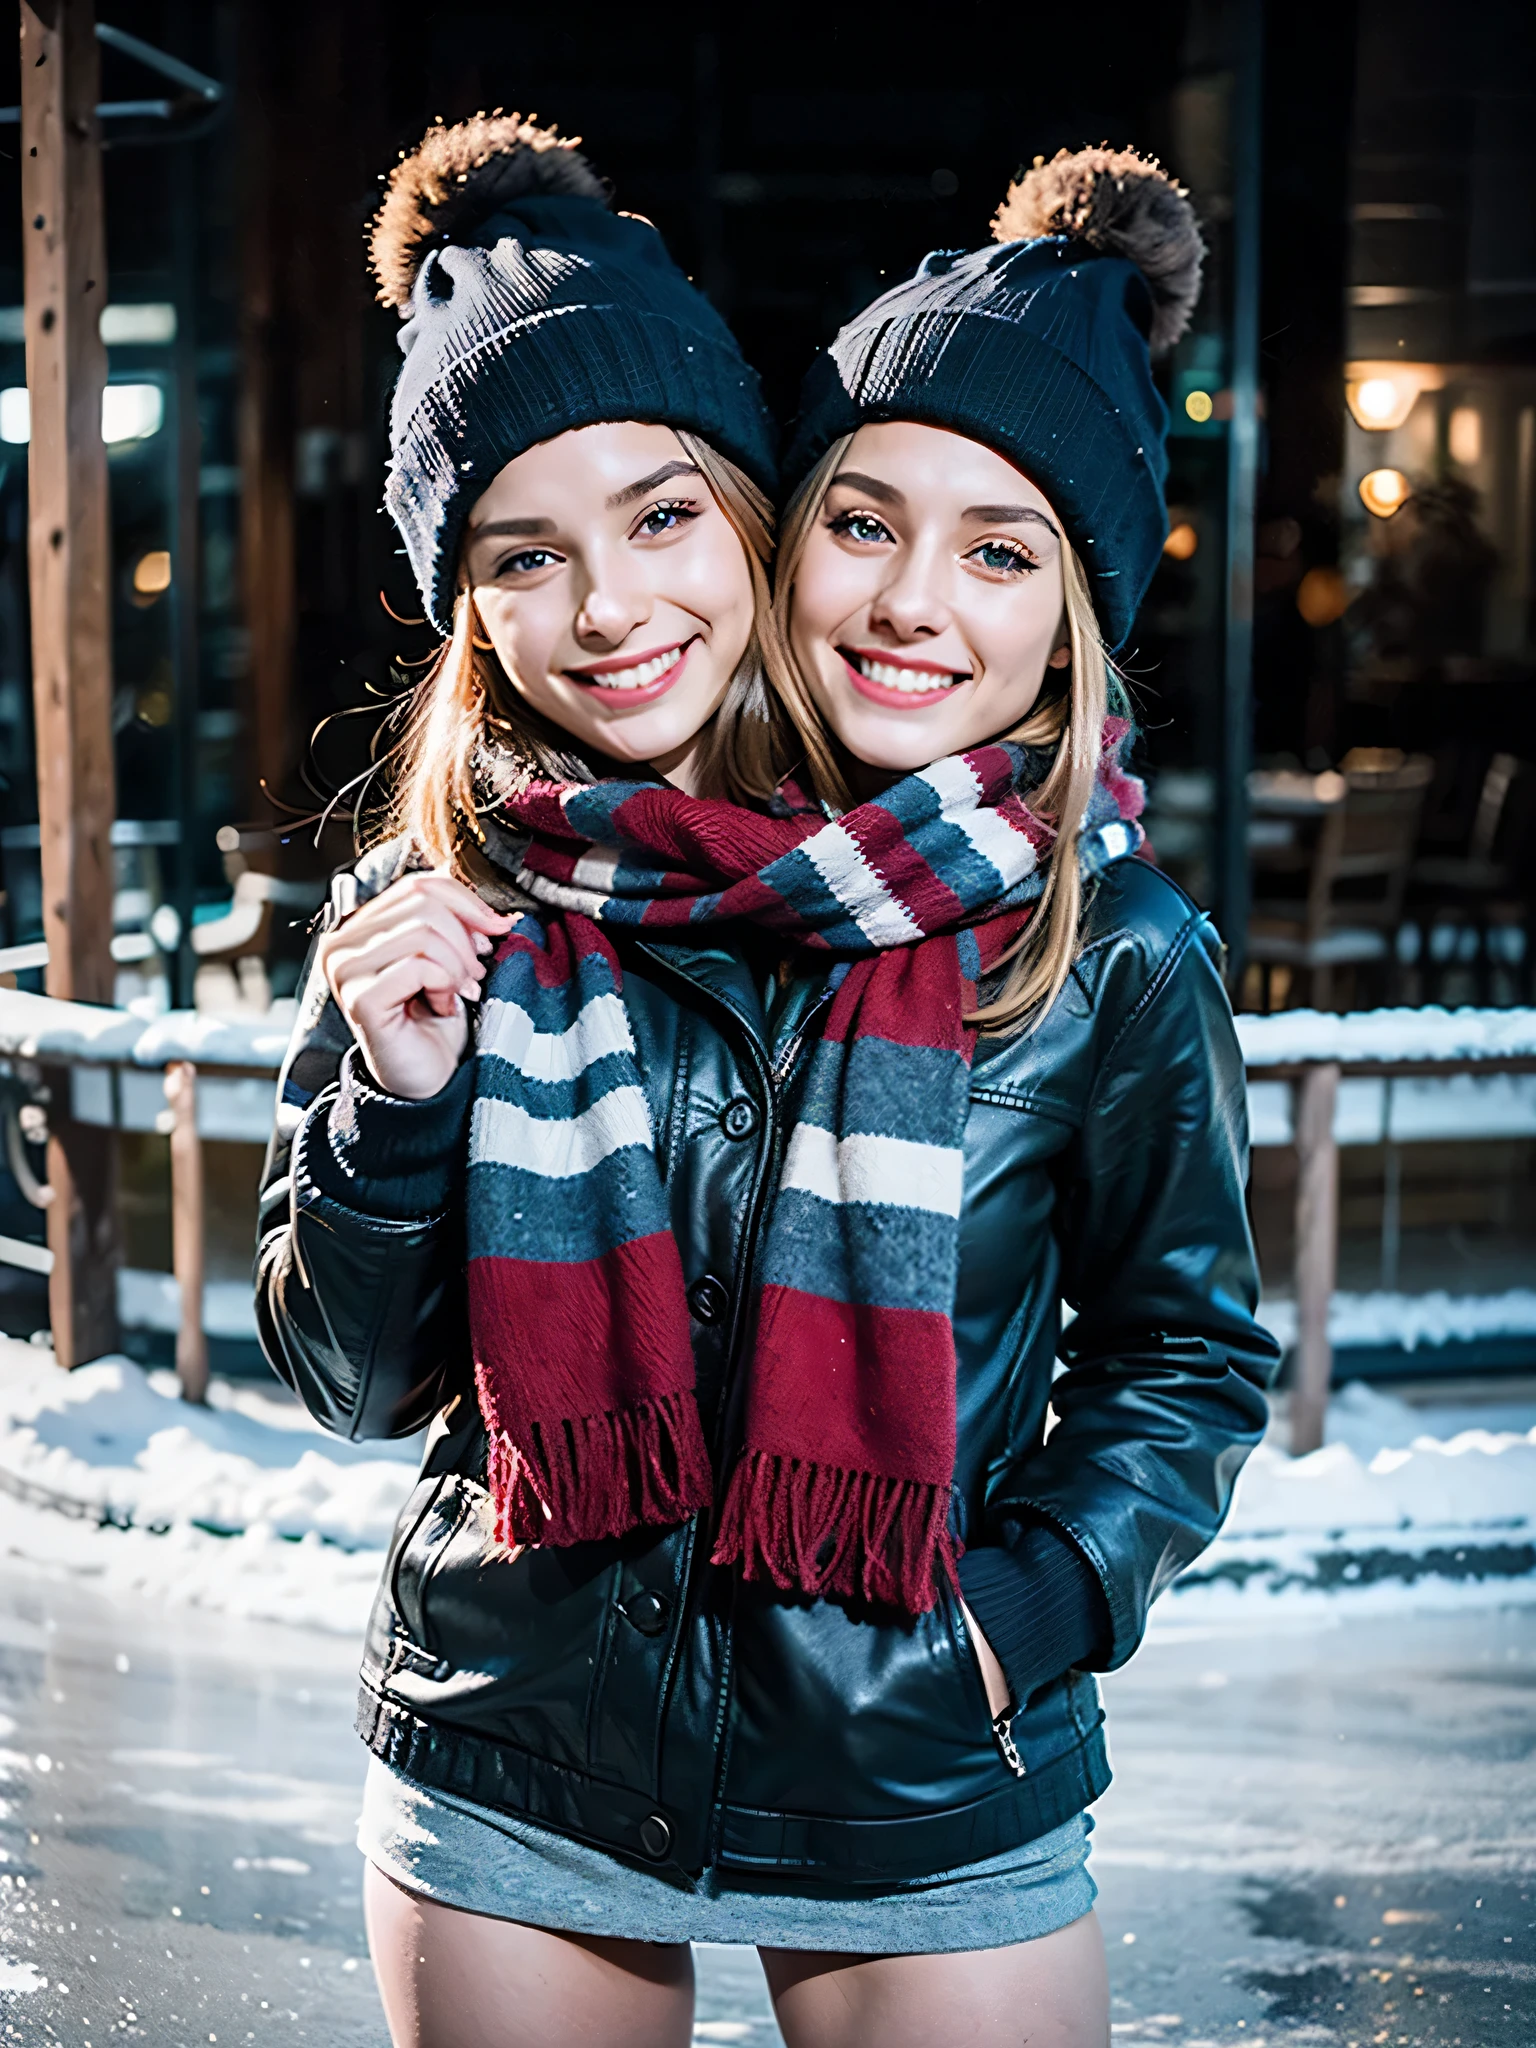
248 1507
1403 1507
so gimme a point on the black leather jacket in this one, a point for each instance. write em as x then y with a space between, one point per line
633 1695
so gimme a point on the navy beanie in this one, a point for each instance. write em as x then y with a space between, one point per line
1041 347
529 308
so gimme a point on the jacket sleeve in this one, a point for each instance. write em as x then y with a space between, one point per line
359 1261
1163 1396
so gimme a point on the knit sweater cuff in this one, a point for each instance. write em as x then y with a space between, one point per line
385 1156
1039 1604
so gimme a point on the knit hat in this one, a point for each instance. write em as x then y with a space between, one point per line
531 307
1040 346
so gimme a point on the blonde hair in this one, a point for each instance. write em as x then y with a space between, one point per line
1069 724
470 737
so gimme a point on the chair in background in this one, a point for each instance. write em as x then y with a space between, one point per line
1473 907
232 950
1330 864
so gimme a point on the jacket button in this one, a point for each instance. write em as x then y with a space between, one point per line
738 1119
648 1612
655 1837
709 1299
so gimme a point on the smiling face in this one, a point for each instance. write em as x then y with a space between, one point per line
928 598
615 591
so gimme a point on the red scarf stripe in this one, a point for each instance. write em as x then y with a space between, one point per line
927 899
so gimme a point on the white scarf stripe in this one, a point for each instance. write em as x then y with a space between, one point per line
953 781
558 1148
507 1033
1009 850
597 868
839 860
894 1172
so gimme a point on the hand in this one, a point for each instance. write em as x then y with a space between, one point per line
999 1694
402 968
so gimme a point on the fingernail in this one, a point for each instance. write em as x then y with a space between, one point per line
470 990
482 943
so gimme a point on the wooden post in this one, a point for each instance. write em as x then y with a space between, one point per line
1317 1251
64 255
187 1237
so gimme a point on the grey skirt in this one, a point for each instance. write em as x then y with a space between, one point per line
486 1862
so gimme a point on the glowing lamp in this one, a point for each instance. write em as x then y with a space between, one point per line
1199 405
1380 396
1384 492
152 573
1181 542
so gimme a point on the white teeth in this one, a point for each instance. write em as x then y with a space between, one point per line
911 682
636 678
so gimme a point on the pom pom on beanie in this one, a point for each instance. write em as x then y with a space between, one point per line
1118 204
457 177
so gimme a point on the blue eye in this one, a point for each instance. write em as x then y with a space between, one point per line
862 527
527 561
1003 557
668 517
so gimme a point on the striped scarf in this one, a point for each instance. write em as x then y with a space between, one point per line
579 1315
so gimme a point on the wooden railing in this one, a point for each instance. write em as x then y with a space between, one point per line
188 1075
1314 1055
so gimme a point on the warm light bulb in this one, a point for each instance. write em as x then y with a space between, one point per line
1383 492
1376 400
152 573
1199 405
1181 542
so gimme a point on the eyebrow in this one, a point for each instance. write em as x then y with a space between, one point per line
648 483
1008 515
871 486
511 529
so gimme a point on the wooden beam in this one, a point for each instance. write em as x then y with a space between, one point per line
1317 1251
69 554
188 1239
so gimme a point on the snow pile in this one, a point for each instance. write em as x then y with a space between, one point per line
119 1445
1409 1320
1400 1508
246 1506
1292 1036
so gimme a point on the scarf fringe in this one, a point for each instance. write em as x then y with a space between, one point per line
827 1531
590 1476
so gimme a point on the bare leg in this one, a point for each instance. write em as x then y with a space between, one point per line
463 1980
1050 1993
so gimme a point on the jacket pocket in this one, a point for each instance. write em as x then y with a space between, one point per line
845 1715
502 1646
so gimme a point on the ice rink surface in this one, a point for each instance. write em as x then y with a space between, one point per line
1321 1834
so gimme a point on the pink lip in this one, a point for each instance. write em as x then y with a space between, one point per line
899 700
592 678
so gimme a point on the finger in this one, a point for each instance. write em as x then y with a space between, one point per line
417 937
383 1001
416 913
471 906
